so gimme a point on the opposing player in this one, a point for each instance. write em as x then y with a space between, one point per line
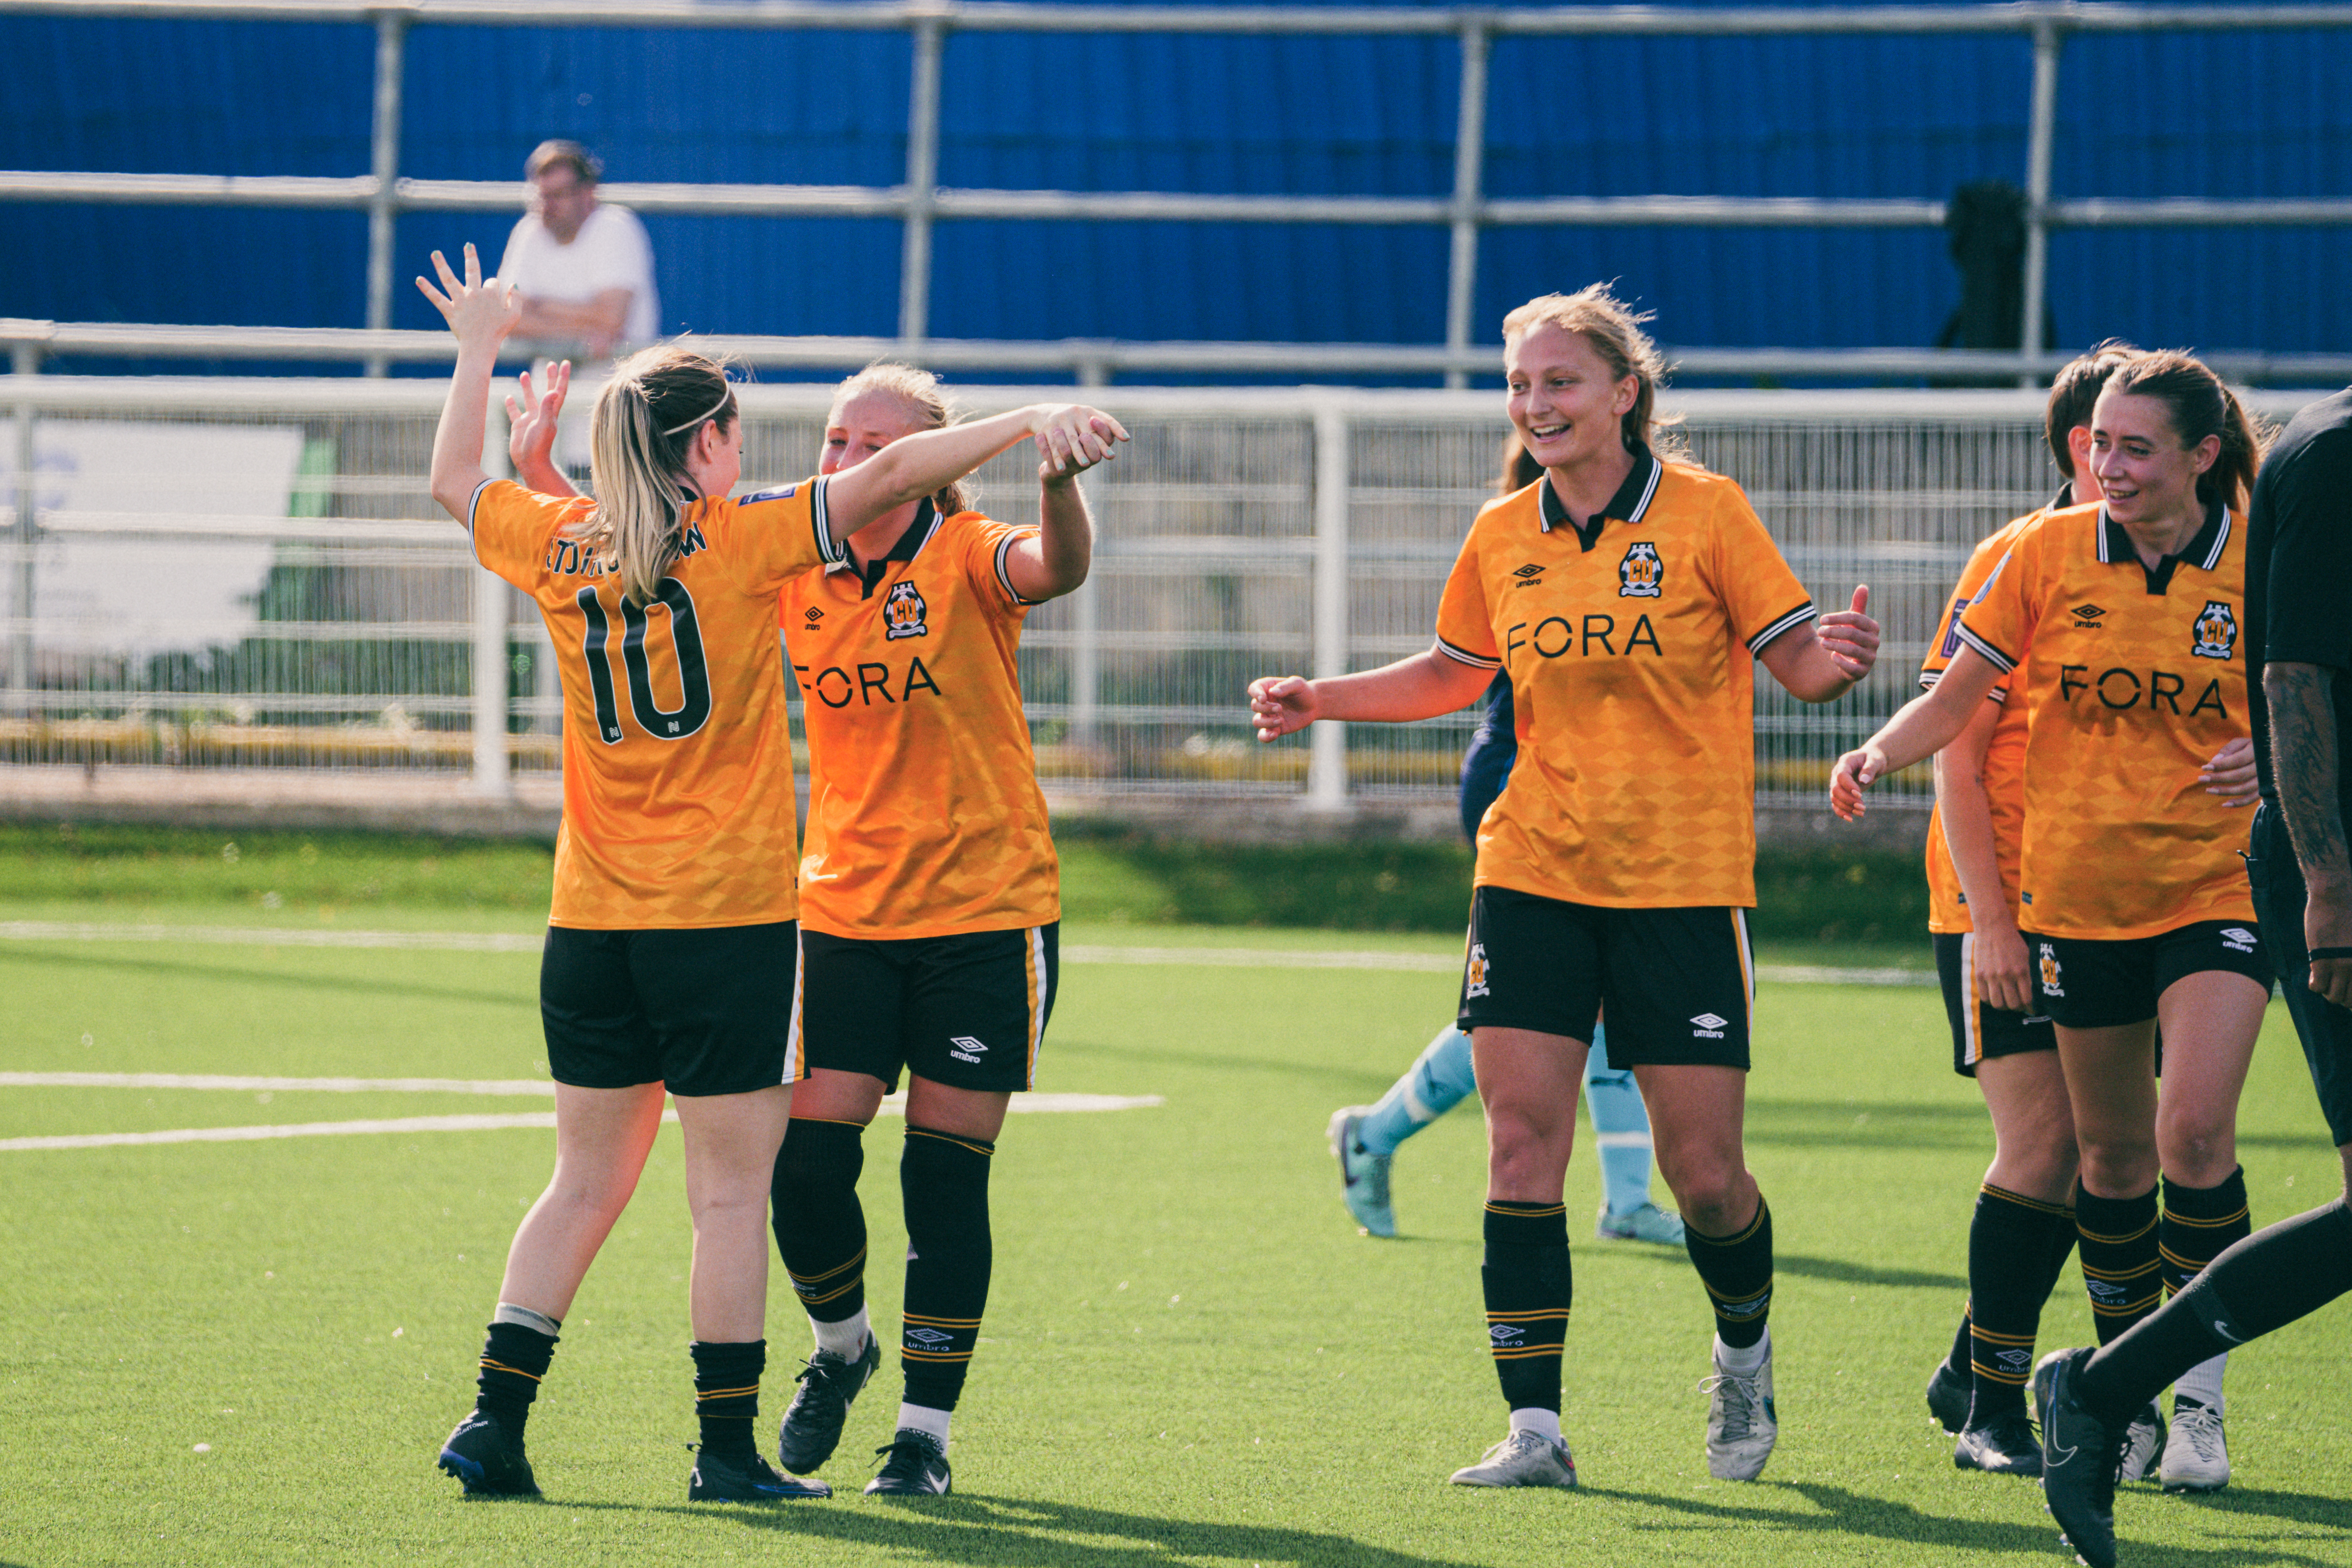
1628 596
1365 1137
2298 645
671 950
2118 624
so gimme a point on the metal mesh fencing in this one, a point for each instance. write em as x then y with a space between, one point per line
251 575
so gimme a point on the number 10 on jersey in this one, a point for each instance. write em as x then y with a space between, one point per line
685 640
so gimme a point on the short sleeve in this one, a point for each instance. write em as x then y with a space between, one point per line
1998 622
986 550
2309 507
1465 629
1945 645
765 539
1762 597
511 525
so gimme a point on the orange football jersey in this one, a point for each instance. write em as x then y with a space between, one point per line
2004 761
924 817
677 759
1631 643
2133 679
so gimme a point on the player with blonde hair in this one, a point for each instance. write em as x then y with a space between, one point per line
1628 596
672 949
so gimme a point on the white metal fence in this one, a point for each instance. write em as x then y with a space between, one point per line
249 574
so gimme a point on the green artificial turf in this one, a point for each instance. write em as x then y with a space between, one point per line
1190 1356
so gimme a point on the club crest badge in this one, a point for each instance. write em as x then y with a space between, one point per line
1641 575
2052 982
1474 980
903 613
2217 632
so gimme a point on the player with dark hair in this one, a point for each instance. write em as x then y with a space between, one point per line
672 950
2299 648
1629 597
2116 625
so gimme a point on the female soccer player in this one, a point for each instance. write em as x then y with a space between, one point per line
671 945
1628 597
1366 1137
2118 624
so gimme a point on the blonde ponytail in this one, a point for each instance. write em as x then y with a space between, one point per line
647 418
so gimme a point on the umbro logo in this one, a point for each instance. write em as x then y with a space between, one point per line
1707 1026
928 1336
2015 1360
2238 940
1504 1334
2086 616
963 1047
814 615
1528 572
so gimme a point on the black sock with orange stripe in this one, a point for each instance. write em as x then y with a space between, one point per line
1529 1287
1737 1270
727 1395
2198 1224
2009 1245
943 1178
515 1358
2118 1240
820 1224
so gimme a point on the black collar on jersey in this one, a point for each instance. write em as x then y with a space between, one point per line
2204 547
1632 499
910 544
2063 498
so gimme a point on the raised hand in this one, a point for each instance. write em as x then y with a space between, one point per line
531 436
1282 705
1850 637
1073 438
482 313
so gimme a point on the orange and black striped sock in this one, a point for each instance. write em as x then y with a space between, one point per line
943 1178
820 1226
1529 1289
1738 1273
515 1358
2010 1247
727 1395
2118 1241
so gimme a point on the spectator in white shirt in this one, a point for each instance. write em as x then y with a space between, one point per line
583 270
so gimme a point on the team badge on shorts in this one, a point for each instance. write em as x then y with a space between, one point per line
903 613
1641 575
1475 981
2049 976
2217 632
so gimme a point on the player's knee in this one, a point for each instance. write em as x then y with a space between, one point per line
944 1182
816 1172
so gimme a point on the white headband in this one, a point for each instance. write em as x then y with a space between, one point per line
724 399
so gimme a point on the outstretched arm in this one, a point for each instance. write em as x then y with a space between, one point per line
481 315
1071 438
1055 560
1821 661
2303 744
1921 728
1422 686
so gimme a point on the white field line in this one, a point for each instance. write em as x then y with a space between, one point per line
1211 957
894 1106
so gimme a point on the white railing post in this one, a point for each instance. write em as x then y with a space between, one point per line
2040 153
1326 764
1085 659
493 774
1469 163
922 181
25 361
391 68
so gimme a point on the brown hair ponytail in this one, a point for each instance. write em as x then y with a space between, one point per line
647 418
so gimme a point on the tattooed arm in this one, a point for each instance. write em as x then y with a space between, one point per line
2303 757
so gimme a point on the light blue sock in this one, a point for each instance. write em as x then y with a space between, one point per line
1438 1079
1621 1128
